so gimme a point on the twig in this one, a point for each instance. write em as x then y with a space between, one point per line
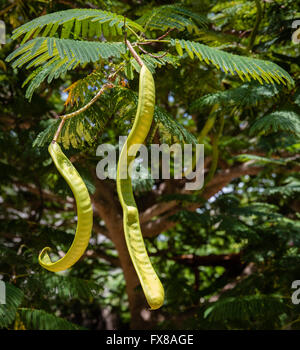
164 35
151 41
111 78
150 54
146 42
58 131
84 108
3 12
93 100
134 33
159 39
134 54
256 25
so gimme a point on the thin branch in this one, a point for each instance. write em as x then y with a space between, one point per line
134 54
60 126
166 34
133 32
93 100
150 54
256 25
3 12
41 204
152 228
155 227
82 109
159 39
68 3
247 271
152 41
156 210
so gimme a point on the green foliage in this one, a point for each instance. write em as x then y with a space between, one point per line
8 310
77 23
283 120
246 95
64 287
45 136
259 160
41 320
290 188
173 129
245 67
245 308
172 16
54 57
160 60
85 127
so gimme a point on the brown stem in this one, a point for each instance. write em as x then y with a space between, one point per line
134 54
61 124
150 54
80 110
93 100
164 35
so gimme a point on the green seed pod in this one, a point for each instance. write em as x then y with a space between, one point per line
151 284
84 213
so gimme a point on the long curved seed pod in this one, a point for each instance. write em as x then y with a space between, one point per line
151 284
84 213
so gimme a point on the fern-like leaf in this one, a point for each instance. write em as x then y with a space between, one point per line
76 23
245 307
168 125
46 136
246 68
77 131
42 320
65 287
289 189
172 16
153 62
259 160
246 95
8 310
53 57
284 120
